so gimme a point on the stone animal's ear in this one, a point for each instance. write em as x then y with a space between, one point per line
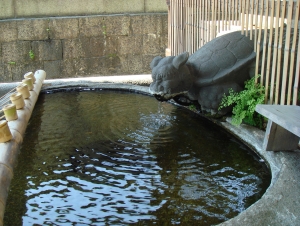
155 61
180 59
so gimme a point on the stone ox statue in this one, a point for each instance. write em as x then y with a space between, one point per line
225 62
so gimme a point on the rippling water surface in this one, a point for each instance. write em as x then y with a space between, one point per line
113 158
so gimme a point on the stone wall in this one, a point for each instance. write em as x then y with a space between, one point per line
81 46
59 8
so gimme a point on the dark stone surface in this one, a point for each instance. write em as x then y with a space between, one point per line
82 46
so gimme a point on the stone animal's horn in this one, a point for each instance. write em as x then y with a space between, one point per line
155 61
180 60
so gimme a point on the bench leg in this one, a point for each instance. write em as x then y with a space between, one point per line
279 139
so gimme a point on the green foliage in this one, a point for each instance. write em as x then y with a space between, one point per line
31 54
244 104
104 30
12 63
192 107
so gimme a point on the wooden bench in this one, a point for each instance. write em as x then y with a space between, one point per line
283 129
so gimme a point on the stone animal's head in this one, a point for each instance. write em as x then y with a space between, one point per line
171 76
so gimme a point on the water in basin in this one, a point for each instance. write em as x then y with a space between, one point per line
116 158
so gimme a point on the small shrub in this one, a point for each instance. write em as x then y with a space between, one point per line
244 104
31 55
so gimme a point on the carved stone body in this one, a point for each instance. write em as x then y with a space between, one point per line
225 62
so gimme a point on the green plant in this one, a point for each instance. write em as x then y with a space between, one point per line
12 63
31 54
104 30
244 103
192 107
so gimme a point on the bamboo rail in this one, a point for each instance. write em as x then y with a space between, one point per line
273 25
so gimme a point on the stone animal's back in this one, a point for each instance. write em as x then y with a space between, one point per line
222 59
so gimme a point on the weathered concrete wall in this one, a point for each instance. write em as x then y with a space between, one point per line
57 8
81 46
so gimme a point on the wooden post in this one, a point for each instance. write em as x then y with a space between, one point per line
280 51
293 50
286 54
275 50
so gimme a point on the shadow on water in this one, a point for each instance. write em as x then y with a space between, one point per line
114 158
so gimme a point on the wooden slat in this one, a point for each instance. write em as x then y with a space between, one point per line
223 15
297 74
280 51
259 38
269 54
251 14
243 16
286 53
208 20
256 26
292 55
218 16
247 17
213 11
226 15
202 22
236 12
274 55
263 73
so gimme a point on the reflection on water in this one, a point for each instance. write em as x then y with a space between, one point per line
110 158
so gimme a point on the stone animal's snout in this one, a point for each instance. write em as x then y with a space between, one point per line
171 77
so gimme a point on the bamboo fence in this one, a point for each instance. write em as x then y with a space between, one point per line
192 23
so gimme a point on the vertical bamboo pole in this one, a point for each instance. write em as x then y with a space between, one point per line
293 50
178 27
213 26
196 24
222 13
236 12
269 55
278 73
192 25
259 38
232 13
275 49
297 75
170 27
247 17
286 54
181 26
243 16
205 21
256 26
226 15
177 16
251 18
208 21
173 14
263 74
202 19
187 34
219 16
229 14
